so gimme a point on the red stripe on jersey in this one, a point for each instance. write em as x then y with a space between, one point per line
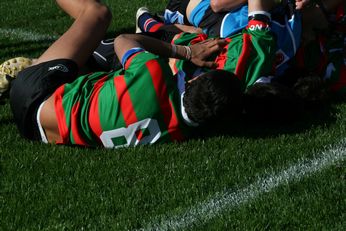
124 100
74 125
221 59
170 118
139 134
177 36
60 115
199 38
172 122
244 56
129 60
94 112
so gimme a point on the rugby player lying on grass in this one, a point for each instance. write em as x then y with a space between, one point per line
321 24
140 104
286 23
300 88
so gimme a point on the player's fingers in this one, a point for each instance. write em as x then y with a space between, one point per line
210 65
220 42
207 41
216 47
217 44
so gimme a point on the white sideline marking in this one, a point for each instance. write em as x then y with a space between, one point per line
25 35
221 202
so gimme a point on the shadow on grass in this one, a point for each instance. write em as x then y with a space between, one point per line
10 49
5 111
252 127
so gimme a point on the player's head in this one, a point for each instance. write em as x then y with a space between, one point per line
272 102
213 96
312 90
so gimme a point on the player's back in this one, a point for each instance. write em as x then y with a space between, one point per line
140 105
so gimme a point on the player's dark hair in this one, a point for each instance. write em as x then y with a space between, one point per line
308 86
313 92
272 102
213 96
280 102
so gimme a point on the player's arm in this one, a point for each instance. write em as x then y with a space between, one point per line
183 28
260 5
198 53
225 5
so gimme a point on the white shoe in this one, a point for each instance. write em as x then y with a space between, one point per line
139 13
9 71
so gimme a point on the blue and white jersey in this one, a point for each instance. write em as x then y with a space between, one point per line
198 12
287 27
234 21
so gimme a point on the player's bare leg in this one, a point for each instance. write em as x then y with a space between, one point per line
81 39
77 43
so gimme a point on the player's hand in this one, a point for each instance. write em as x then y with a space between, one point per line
200 52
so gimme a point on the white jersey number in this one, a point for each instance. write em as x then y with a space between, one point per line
129 134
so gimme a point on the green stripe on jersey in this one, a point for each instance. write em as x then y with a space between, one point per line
143 92
260 58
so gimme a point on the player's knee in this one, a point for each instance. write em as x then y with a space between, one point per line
215 6
100 12
118 40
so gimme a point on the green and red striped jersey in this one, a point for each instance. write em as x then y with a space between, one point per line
250 54
139 105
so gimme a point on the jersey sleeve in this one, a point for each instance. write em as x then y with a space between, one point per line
251 54
138 63
129 54
138 59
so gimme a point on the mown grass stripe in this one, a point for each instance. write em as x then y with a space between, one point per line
23 35
221 202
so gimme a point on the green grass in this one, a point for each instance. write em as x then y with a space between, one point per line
47 187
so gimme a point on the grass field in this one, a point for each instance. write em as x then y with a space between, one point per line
258 177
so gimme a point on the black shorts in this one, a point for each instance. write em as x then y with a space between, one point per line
34 85
104 57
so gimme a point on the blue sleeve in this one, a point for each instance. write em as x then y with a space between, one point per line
129 53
